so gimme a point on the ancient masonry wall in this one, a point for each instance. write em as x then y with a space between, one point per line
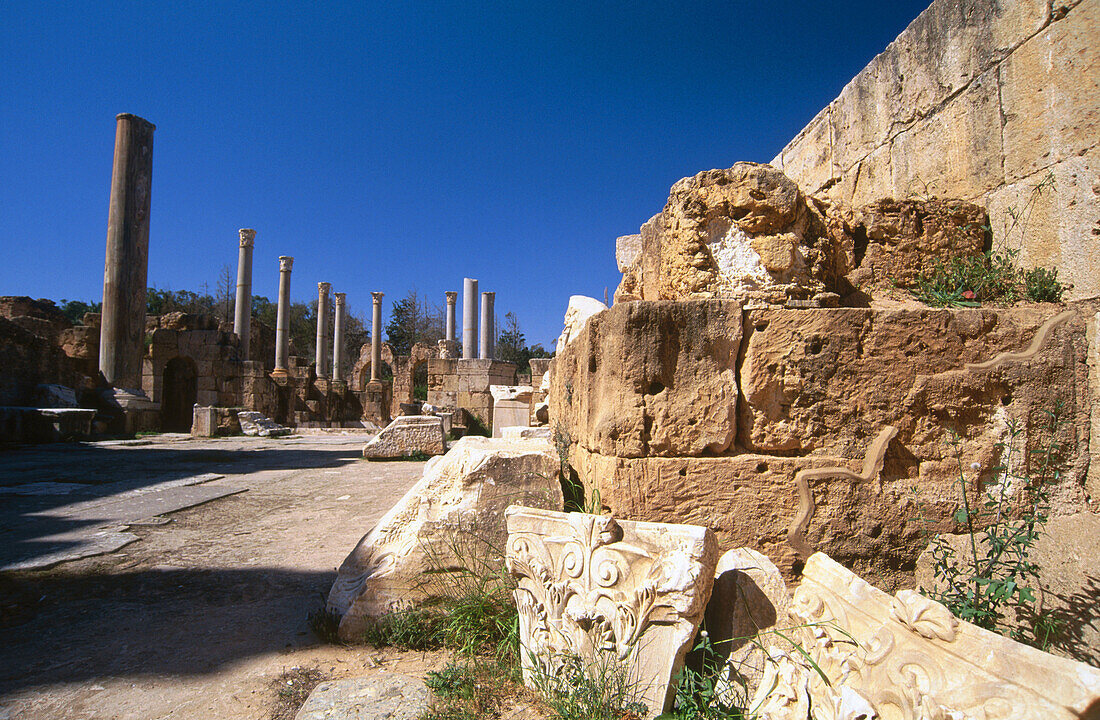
981 101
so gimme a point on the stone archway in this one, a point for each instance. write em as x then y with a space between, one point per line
180 389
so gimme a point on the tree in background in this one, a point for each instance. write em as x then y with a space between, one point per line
413 320
226 291
74 310
512 345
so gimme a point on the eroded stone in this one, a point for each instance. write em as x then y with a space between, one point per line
407 435
449 525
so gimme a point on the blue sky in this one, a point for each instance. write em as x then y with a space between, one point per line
390 146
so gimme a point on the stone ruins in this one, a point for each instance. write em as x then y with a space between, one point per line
763 403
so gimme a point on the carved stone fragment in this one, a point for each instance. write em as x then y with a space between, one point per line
907 657
608 591
448 527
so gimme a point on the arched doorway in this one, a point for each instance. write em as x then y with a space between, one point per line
180 391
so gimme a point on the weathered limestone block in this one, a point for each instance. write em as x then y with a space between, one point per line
1050 94
50 395
580 309
953 152
381 696
905 237
1066 553
204 422
406 435
749 599
607 590
450 523
520 433
829 379
651 378
511 406
255 423
747 233
907 657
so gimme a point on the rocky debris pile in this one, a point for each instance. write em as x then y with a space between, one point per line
749 233
448 527
254 423
408 435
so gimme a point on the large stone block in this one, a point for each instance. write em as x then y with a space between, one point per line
746 232
1058 225
408 435
609 592
450 524
1050 94
809 157
957 151
652 378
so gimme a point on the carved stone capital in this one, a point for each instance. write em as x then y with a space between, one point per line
340 297
285 263
452 297
608 591
324 287
376 297
248 235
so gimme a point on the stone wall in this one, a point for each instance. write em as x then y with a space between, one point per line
459 383
705 412
983 101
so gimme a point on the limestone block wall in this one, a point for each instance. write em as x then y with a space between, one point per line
459 383
985 102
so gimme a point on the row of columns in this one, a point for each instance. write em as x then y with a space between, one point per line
124 281
242 318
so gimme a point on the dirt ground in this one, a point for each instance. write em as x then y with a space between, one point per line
200 616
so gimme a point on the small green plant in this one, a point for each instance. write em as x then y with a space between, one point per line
1000 526
994 276
969 281
325 624
599 689
1041 285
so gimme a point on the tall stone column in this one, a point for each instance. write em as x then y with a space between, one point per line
337 336
452 298
488 325
322 332
242 311
126 269
375 335
282 317
469 318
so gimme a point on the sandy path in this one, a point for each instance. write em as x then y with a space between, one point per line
198 617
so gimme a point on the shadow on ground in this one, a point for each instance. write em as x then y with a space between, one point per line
30 524
61 628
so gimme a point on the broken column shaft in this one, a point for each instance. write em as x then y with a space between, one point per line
375 335
488 325
242 311
282 318
338 337
469 318
322 331
122 333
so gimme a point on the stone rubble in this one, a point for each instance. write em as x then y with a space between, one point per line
254 423
453 518
408 435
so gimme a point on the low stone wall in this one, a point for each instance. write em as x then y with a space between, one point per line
979 101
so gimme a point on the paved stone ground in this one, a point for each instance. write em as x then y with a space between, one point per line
207 606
